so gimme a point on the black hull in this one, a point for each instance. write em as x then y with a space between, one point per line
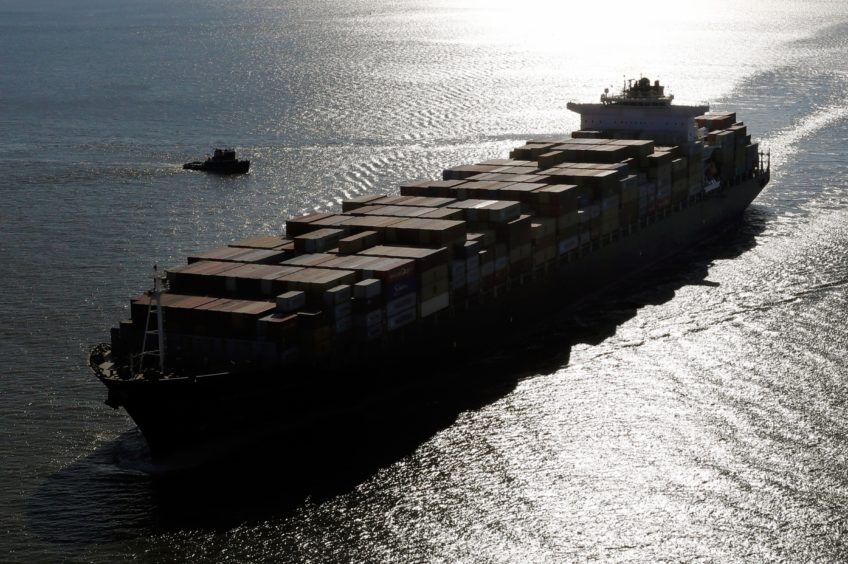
229 167
180 414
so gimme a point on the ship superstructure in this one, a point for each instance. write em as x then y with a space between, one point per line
641 111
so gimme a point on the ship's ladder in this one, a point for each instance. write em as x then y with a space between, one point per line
157 335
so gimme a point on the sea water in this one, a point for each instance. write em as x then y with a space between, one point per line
699 416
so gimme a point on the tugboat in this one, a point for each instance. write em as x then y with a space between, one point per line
223 161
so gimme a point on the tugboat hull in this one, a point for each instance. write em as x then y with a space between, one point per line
237 167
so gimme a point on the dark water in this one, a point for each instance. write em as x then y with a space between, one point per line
701 416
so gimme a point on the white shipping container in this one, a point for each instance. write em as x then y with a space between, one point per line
435 275
435 304
427 292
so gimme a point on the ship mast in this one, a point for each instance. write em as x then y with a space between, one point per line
154 305
160 330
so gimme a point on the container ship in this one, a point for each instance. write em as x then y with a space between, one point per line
356 311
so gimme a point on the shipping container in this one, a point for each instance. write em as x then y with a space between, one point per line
257 280
239 254
515 232
530 151
266 242
430 188
318 241
358 242
434 304
425 259
367 289
461 172
303 224
291 301
401 319
427 232
315 281
309 259
198 277
451 214
353 203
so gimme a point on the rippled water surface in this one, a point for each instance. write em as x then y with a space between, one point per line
699 416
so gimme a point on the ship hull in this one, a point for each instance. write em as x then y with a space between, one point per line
205 413
227 167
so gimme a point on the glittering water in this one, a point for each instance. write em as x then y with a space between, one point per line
699 417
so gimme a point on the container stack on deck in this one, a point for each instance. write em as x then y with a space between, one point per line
734 156
340 282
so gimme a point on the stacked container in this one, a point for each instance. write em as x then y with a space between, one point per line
384 262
